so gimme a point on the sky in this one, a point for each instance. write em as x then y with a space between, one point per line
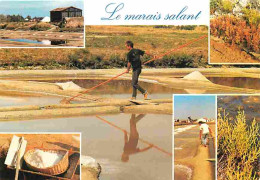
194 106
38 8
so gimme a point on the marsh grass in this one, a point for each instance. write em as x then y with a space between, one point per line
238 147
42 26
105 47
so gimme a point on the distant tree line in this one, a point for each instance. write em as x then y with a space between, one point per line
14 18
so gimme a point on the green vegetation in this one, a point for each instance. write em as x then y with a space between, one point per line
249 11
89 61
214 6
18 22
252 16
105 48
238 147
42 26
224 6
109 43
11 18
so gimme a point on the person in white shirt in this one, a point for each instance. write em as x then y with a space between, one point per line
204 132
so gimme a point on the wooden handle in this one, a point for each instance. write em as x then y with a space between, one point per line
18 163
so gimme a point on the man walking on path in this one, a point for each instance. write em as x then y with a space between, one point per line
134 60
204 131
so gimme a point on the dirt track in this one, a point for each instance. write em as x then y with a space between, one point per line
190 153
221 52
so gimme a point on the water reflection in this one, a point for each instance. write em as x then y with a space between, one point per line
250 104
131 144
44 42
105 143
116 86
241 82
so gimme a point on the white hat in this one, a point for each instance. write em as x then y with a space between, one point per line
202 120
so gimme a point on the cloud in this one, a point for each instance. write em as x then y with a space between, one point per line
36 7
39 0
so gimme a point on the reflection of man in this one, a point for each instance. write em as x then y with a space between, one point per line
130 146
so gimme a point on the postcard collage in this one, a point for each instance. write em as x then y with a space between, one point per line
129 90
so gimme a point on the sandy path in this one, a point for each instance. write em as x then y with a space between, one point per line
224 53
190 154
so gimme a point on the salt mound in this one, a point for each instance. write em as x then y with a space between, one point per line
88 161
196 75
69 86
46 19
43 159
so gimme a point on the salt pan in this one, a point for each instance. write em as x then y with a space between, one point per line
43 159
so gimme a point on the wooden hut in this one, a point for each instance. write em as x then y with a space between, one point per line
59 14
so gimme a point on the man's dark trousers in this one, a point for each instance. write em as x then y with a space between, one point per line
135 85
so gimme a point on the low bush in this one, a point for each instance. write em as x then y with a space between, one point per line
237 31
3 26
238 147
186 27
11 26
163 27
91 61
252 16
76 22
42 26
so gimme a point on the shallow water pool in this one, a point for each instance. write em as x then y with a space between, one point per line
106 143
44 42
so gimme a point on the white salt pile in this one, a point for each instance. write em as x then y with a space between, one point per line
88 161
197 76
69 86
43 159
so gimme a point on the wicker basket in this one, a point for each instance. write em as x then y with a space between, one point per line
57 169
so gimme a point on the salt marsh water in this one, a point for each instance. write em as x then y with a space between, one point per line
241 82
28 100
120 88
44 42
106 144
249 104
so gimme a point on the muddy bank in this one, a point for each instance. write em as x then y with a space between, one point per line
41 88
56 113
116 106
165 108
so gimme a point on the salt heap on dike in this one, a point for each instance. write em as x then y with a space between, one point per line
43 159
197 76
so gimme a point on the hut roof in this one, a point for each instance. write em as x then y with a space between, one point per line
64 8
